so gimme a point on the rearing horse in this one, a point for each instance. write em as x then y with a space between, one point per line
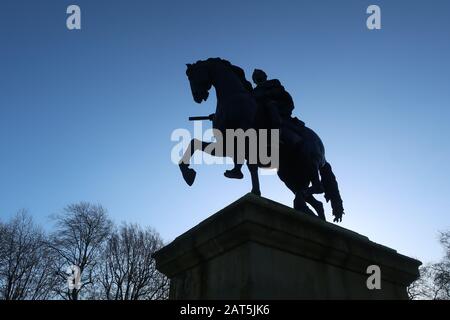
236 109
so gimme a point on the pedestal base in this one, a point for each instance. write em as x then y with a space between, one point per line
258 249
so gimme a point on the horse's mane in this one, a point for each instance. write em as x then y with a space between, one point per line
237 70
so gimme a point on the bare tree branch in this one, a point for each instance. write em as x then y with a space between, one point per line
129 271
79 239
24 260
434 281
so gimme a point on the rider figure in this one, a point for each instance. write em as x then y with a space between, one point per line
270 94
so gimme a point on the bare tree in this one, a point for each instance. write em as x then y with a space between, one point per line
434 281
24 260
114 264
128 270
79 240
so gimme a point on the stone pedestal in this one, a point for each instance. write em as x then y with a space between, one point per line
259 249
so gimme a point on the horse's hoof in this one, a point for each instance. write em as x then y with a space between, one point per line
233 174
188 174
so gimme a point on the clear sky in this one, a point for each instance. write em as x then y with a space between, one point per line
87 115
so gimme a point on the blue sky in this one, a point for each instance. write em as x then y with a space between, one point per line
87 115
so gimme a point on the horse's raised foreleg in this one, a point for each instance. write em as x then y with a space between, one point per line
253 168
189 173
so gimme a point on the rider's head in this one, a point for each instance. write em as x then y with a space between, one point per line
259 76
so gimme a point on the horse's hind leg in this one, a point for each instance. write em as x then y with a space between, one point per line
317 205
300 204
253 168
316 185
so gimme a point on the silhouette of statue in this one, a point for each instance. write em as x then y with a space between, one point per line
278 103
301 154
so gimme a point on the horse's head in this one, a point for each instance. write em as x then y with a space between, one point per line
200 80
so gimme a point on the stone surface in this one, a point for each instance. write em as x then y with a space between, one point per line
258 249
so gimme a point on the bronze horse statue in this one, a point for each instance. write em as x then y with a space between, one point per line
237 109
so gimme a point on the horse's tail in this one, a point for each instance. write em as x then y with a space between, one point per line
332 194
